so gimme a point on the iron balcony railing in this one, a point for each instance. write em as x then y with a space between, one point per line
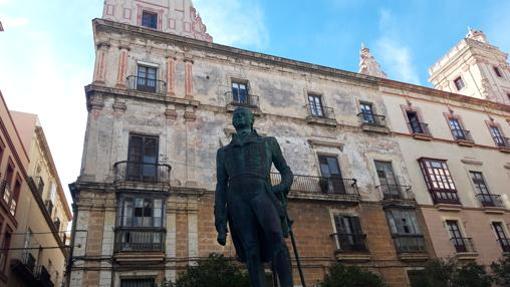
142 172
320 112
131 239
444 196
38 184
490 200
407 243
502 142
28 260
5 190
463 244
350 242
462 135
49 206
43 276
242 100
419 128
505 244
396 192
321 185
146 85
372 119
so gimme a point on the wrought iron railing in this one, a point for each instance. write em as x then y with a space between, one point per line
350 242
503 142
505 244
409 242
142 172
146 85
463 244
419 128
28 260
462 135
490 200
139 239
49 206
396 192
444 196
242 100
372 119
43 276
321 185
320 112
5 190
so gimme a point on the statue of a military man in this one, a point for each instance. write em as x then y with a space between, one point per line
245 198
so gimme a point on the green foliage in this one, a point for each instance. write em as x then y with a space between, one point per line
501 270
449 273
216 271
340 275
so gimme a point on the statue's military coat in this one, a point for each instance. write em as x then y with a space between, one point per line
243 174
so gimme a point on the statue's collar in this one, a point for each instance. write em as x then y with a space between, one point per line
252 137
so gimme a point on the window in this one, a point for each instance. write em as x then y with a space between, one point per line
456 128
367 113
481 189
142 158
15 194
5 250
497 136
458 241
240 93
497 72
315 105
503 240
349 234
459 83
146 79
414 123
149 19
147 282
405 230
140 224
332 181
387 180
439 181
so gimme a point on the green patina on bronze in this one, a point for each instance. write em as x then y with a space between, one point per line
254 210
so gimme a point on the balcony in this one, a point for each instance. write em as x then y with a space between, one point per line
448 197
139 175
37 184
43 276
505 244
420 130
492 203
463 137
146 85
464 248
321 188
351 247
396 194
410 247
318 114
246 100
373 123
139 244
503 144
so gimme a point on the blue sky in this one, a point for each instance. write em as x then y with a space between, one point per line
47 52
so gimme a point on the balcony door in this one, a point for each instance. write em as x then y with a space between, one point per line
146 79
387 179
315 104
503 240
414 122
240 93
367 112
456 236
332 176
142 158
482 191
456 128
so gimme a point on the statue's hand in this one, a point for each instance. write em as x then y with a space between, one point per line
222 238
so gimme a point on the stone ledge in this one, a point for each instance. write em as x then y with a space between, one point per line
494 210
321 121
255 109
413 257
136 257
354 199
504 149
375 129
422 137
465 143
448 207
466 256
352 257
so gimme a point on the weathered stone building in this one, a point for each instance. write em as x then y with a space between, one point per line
160 106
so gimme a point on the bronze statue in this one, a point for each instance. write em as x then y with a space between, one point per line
252 207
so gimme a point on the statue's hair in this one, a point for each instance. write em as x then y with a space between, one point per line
250 113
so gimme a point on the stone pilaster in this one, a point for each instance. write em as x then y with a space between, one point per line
170 76
188 78
122 67
100 68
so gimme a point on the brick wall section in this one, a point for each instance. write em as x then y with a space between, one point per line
94 245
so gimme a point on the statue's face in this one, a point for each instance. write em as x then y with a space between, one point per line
242 118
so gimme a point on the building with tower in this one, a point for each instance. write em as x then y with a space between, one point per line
387 173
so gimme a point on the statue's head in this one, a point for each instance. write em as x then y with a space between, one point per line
242 118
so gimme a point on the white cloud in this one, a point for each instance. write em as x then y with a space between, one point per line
13 22
235 22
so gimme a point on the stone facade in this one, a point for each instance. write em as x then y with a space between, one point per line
359 195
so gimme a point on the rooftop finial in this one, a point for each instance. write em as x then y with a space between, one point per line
368 65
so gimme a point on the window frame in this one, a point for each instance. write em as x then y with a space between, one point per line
334 184
144 82
497 71
354 240
236 98
501 235
497 134
459 83
141 169
152 14
368 115
316 105
441 185
121 220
